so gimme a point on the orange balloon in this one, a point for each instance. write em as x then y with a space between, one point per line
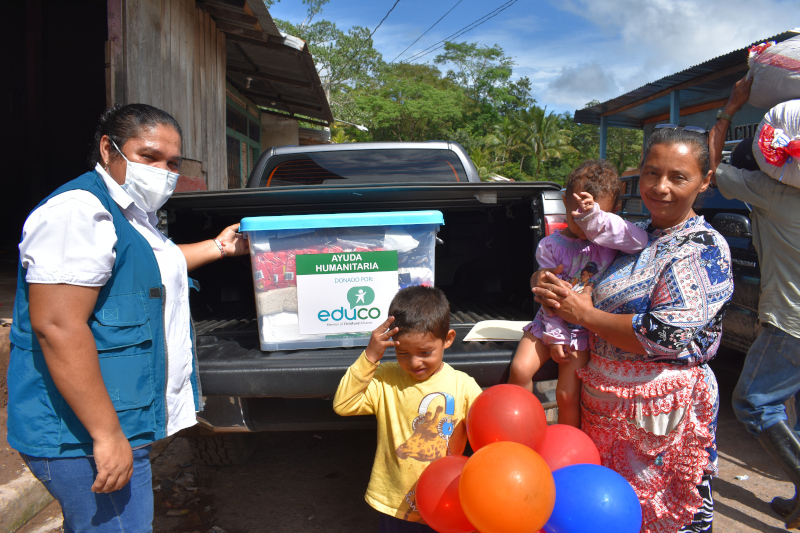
506 487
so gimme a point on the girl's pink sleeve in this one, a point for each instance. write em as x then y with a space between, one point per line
545 254
612 231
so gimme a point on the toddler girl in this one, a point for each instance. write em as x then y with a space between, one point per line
586 247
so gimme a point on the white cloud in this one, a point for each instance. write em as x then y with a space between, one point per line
576 85
634 42
676 34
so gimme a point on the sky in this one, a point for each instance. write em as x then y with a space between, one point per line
573 51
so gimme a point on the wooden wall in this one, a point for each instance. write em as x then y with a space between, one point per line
169 54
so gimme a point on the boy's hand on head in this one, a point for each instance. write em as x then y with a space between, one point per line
585 203
381 339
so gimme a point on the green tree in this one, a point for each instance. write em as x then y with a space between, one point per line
339 134
544 137
484 73
409 102
479 69
342 58
485 162
504 139
624 147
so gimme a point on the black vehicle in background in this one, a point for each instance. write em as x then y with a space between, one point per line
732 219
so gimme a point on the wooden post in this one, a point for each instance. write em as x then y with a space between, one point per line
115 58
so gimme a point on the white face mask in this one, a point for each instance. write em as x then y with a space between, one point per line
148 186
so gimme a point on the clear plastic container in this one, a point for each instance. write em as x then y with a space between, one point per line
324 281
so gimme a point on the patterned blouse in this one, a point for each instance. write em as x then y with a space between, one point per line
677 288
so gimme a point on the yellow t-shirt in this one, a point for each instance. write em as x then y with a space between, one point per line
414 419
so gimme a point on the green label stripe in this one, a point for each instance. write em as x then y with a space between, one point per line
346 263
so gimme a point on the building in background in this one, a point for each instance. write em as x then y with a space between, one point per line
235 84
216 66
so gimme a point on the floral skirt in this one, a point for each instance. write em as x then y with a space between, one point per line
654 423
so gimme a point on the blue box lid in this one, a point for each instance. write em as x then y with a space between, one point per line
341 220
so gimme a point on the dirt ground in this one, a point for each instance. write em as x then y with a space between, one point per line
306 482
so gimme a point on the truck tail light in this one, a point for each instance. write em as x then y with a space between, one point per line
553 223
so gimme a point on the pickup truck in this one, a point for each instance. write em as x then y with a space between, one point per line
484 259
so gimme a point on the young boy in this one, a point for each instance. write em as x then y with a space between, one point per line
420 401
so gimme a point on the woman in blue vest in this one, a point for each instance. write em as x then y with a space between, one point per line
102 358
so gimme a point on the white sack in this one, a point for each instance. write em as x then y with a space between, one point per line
776 74
786 117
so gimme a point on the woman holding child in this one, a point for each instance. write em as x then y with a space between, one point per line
649 400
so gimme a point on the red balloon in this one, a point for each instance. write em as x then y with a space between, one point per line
437 495
567 445
506 413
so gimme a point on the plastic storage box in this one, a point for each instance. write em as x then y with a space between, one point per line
326 281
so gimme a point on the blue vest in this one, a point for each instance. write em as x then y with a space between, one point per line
128 328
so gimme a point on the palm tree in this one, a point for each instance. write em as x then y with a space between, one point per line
339 135
542 136
504 139
484 162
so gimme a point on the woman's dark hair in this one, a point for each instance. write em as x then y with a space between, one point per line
121 123
695 140
421 309
598 177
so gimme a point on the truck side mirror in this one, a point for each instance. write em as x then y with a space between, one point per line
732 225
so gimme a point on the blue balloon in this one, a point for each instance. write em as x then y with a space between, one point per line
593 498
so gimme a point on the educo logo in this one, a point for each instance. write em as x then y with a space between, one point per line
359 297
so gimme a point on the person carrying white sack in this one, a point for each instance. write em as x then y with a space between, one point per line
771 373
775 74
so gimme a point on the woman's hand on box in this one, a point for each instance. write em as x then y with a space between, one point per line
232 242
381 339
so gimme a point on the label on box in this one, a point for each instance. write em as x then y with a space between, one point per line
346 292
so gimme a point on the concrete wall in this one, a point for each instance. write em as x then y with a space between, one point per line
278 131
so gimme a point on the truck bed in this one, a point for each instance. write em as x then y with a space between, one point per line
484 259
232 364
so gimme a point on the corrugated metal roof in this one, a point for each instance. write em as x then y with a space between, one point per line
707 82
272 69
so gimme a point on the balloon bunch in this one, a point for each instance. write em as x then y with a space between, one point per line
524 476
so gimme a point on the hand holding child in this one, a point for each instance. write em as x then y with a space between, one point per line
585 203
381 339
559 353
